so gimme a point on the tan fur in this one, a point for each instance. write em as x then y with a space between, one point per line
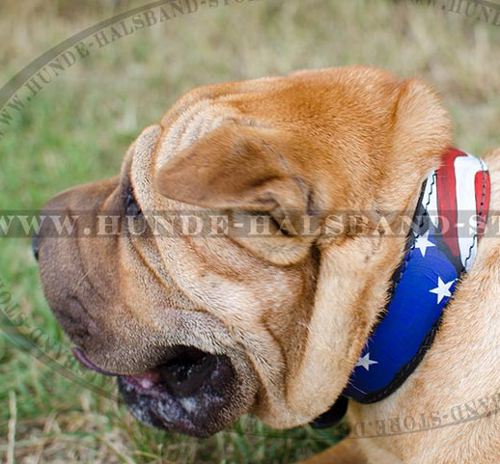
292 312
461 368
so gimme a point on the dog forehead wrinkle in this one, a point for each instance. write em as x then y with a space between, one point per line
194 123
200 125
147 139
173 136
142 158
142 166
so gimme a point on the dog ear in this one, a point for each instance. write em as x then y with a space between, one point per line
421 134
422 125
236 168
242 169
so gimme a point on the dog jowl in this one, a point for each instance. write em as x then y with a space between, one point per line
199 329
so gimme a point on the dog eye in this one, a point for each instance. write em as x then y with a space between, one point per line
132 209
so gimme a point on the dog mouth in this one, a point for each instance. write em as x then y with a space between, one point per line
190 392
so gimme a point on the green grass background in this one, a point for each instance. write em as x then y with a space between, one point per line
78 128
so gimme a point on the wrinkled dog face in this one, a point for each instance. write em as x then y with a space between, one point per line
200 329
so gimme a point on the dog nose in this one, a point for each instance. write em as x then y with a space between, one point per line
35 246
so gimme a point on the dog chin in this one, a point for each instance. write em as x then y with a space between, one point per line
195 393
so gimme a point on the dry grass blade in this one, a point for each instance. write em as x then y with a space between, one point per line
12 427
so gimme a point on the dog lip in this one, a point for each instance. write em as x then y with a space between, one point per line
188 394
87 363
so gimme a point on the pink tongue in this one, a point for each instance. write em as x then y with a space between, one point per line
147 380
86 362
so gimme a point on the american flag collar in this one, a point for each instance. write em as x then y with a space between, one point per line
442 245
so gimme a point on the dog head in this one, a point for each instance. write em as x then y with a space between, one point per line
204 327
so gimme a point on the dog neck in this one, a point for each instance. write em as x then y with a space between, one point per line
442 245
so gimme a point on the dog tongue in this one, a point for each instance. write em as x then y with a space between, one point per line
146 380
86 362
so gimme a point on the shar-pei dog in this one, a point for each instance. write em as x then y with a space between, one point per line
295 248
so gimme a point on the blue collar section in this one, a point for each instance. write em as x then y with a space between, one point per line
421 292
438 253
441 246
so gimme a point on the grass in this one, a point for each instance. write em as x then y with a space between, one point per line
77 129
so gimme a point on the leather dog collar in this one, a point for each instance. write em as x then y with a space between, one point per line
442 245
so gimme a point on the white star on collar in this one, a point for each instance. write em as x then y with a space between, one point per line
422 243
365 362
443 289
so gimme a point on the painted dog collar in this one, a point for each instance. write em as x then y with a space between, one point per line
442 245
